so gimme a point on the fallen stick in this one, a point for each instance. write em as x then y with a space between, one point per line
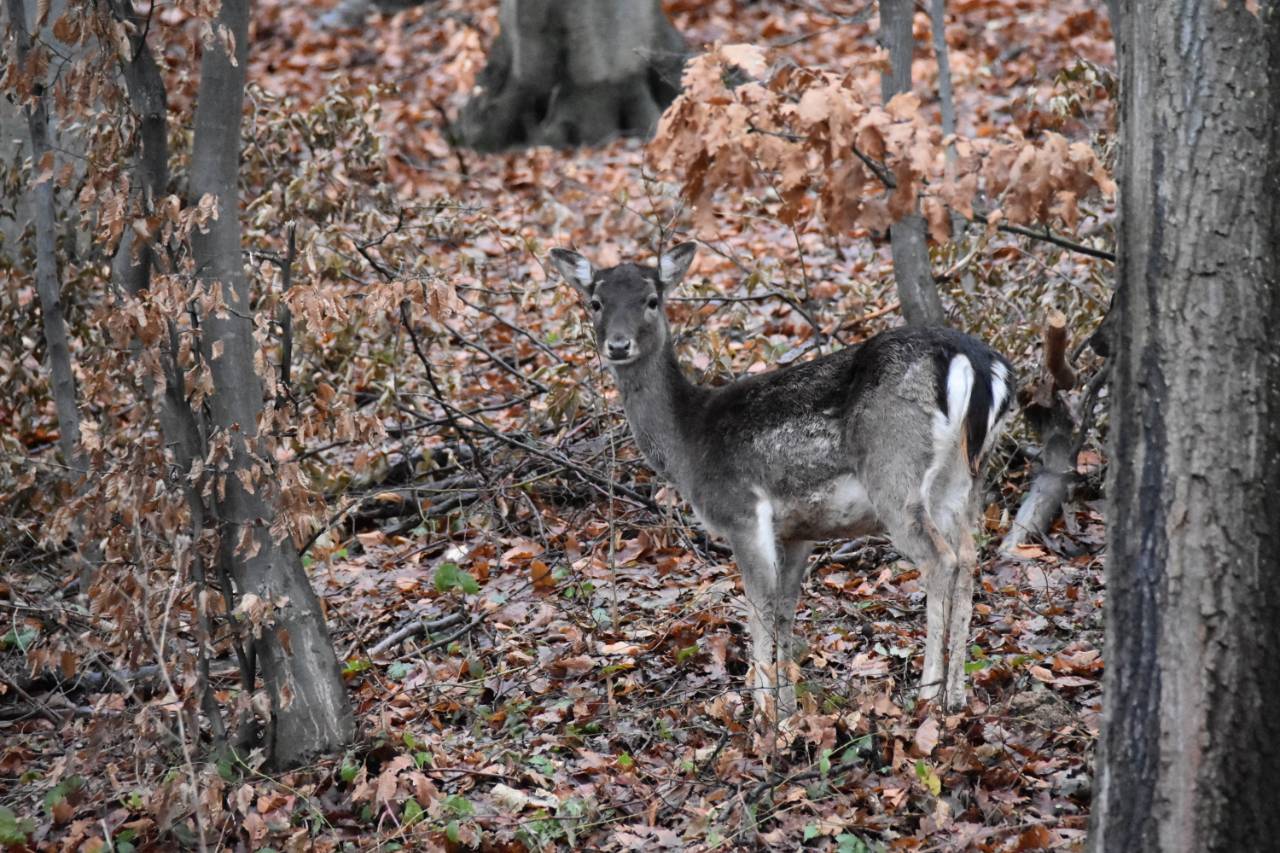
141 679
416 629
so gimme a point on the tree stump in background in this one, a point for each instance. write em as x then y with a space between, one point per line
573 72
350 14
1052 421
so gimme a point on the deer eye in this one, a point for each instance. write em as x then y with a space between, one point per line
653 302
595 306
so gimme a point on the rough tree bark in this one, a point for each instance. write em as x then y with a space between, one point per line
48 286
1191 734
573 72
311 712
916 288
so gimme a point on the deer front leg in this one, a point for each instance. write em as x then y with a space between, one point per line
760 585
756 556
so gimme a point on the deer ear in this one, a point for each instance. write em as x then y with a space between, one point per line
576 269
674 263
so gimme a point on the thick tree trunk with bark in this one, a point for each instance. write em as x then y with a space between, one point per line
1191 737
916 288
311 712
573 72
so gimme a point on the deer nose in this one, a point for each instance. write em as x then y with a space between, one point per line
618 348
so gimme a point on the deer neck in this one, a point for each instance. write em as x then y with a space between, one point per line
661 406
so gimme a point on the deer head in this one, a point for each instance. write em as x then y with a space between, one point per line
626 301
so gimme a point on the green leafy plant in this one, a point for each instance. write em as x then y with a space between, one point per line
14 830
449 577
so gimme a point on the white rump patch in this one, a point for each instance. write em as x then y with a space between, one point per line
947 427
959 387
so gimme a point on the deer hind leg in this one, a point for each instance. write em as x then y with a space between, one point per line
921 541
961 613
961 521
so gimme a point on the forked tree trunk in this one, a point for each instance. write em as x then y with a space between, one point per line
311 712
131 270
573 72
1191 736
917 290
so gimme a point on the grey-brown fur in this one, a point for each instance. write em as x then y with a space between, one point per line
835 447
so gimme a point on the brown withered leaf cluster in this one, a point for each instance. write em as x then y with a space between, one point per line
828 148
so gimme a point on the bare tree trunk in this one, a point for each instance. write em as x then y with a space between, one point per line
1191 733
15 143
916 288
311 712
132 265
574 72
130 268
47 283
946 97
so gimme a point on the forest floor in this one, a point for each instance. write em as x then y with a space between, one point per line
582 688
